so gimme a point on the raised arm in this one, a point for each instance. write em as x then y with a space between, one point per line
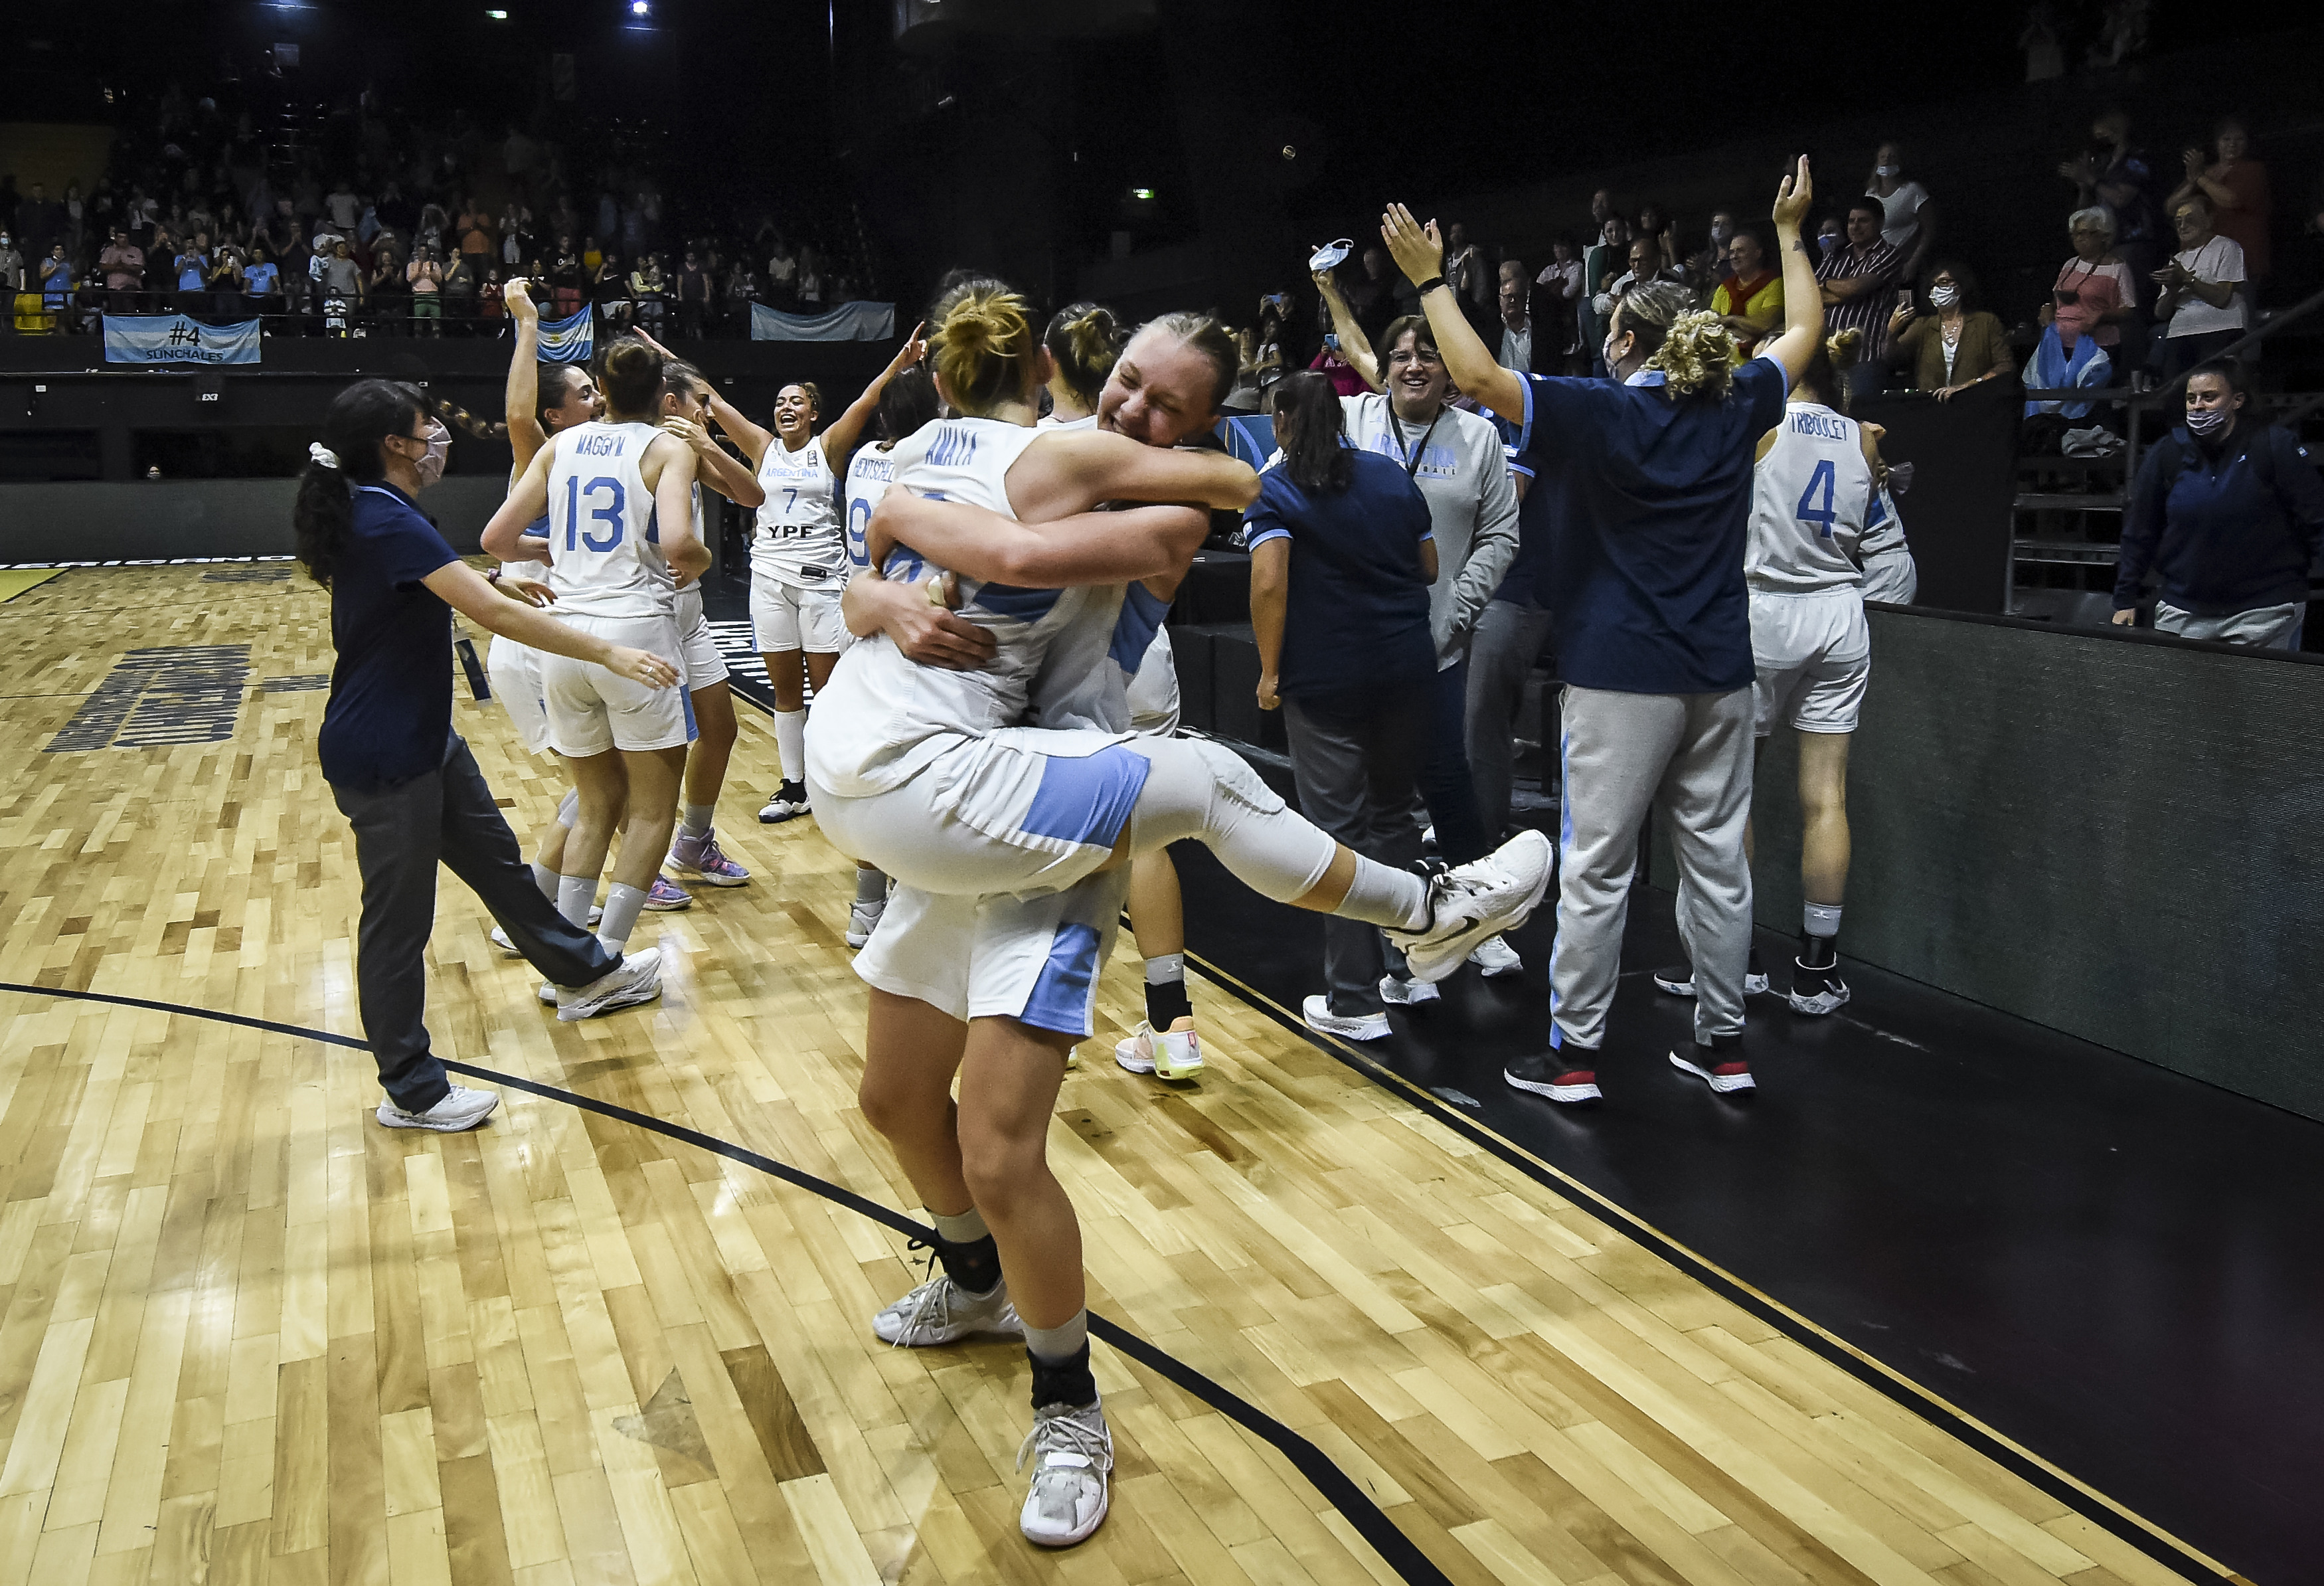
528 500
1087 548
521 404
1355 346
1803 304
841 436
1419 252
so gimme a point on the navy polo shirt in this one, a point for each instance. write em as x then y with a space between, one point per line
1357 614
1647 501
389 718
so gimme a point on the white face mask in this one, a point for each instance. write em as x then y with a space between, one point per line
431 467
1944 297
2206 422
1890 172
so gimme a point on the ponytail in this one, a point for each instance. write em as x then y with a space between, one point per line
982 346
633 379
349 454
1085 339
1694 352
1313 456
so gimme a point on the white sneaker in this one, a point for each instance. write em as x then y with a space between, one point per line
636 979
1495 956
862 919
1073 1460
1473 901
1407 993
790 803
1363 1027
501 938
549 993
1170 1054
460 1108
942 1311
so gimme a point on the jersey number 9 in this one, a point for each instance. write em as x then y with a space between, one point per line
611 513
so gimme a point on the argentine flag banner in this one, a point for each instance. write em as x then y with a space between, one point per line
569 341
172 338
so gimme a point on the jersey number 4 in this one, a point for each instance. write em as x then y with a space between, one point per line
611 511
1818 518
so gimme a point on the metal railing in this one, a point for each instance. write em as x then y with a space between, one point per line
463 317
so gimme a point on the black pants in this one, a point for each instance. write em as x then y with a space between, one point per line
1447 786
401 834
1353 758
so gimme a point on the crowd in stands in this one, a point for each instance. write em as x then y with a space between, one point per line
2167 260
385 223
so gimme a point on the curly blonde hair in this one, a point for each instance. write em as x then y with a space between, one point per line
982 345
1692 349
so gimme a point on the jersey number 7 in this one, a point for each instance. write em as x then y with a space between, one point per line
1818 518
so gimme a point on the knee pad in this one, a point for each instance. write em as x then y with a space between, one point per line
568 808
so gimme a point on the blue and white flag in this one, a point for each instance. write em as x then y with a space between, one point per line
848 322
172 338
569 341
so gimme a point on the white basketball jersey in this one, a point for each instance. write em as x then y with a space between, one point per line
798 537
687 606
602 535
868 473
883 719
1885 531
1810 497
1087 421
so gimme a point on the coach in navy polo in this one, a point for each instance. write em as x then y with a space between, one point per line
1650 475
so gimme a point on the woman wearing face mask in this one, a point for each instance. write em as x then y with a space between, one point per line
1956 344
1910 223
2231 545
404 780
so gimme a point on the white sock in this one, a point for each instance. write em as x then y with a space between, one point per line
1167 968
621 916
1383 895
575 894
546 879
1061 1343
791 743
694 819
963 1227
1822 920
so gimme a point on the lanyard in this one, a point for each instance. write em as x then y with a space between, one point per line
1395 440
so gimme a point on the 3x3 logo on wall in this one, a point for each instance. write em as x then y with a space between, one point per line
156 698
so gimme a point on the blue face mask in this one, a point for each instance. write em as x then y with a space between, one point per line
1827 241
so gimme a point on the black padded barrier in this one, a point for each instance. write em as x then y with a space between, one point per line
2120 837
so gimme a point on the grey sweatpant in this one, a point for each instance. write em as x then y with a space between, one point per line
1622 754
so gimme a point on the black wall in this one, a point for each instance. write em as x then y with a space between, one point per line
2118 837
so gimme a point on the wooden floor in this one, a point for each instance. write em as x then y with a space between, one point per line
248 1335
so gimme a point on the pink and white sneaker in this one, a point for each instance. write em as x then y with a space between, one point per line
700 859
666 898
1169 1054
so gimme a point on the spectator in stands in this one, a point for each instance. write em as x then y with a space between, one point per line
2095 292
192 269
782 276
458 286
611 292
1343 556
2232 546
425 277
224 284
1855 281
1654 221
1750 301
694 300
12 281
1648 264
1371 296
2203 300
1527 345
261 293
742 292
343 288
1957 344
1908 221
650 291
1472 280
492 298
38 222
1601 265
76 219
2236 185
343 207
56 289
388 292
566 281
810 279
2121 176
1558 299
1712 267
474 229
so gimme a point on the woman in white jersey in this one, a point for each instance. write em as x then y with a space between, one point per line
909 402
798 562
1815 492
619 494
695 852
923 770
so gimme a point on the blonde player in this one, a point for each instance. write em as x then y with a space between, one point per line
619 494
799 556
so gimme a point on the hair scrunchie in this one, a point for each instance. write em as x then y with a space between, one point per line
317 452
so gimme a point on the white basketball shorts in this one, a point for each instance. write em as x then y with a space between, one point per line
1814 655
993 815
1154 690
513 671
1034 959
783 616
697 645
1892 576
591 710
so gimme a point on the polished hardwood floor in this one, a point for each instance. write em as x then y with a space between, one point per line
248 1335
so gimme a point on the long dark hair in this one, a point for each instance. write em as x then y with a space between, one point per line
1312 454
907 401
360 418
